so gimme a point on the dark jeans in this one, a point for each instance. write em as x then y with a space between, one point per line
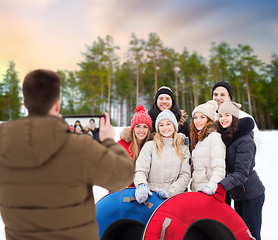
251 213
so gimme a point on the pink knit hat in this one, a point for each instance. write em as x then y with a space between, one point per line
71 128
141 116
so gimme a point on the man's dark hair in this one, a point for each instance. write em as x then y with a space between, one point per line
41 88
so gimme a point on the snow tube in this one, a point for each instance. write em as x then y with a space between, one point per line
120 216
197 216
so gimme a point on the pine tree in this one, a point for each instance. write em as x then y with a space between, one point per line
10 94
136 49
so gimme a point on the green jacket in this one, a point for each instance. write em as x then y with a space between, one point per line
46 178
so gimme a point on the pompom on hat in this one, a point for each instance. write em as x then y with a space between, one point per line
209 109
71 128
141 116
166 114
231 108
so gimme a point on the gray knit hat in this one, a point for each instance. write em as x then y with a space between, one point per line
166 114
231 108
209 109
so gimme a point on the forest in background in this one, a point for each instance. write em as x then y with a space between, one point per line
104 82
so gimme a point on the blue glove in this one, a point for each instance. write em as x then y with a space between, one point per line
163 193
142 193
186 139
207 190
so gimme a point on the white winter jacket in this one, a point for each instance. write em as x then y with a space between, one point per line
165 172
208 160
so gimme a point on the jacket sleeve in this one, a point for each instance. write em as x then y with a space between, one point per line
218 164
183 179
107 164
143 164
244 156
257 135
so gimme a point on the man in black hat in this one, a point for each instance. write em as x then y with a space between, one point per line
164 99
222 92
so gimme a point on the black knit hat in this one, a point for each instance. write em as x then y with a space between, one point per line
165 90
225 85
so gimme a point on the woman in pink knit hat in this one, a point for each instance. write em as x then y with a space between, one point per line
134 138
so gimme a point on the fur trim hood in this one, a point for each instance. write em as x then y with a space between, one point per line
210 128
183 118
126 135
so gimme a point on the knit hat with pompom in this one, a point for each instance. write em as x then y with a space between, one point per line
209 109
141 116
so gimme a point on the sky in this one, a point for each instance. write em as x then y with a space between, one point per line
53 33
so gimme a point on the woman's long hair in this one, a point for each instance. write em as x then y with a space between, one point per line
134 146
229 131
178 141
197 136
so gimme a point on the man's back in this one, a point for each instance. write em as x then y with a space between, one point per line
46 178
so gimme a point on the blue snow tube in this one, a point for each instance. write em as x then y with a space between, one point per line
120 216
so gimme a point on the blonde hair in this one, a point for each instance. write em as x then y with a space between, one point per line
134 146
178 142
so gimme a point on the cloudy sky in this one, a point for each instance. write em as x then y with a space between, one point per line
53 33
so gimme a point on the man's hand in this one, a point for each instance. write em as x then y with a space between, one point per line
106 130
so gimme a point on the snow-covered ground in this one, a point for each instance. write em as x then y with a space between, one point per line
267 168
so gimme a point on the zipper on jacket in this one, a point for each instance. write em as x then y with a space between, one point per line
243 188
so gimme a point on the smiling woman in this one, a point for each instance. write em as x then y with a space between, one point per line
163 163
246 188
208 150
134 138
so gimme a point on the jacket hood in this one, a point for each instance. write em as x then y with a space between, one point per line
245 127
183 118
31 141
210 128
126 135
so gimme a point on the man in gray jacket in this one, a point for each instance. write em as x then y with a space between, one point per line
47 172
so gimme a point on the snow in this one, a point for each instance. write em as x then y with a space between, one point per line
267 168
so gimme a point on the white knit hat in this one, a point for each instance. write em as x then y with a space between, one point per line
166 114
209 109
231 108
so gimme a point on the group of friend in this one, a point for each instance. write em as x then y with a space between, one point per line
215 154
47 172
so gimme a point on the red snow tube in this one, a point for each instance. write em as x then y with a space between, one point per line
195 216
